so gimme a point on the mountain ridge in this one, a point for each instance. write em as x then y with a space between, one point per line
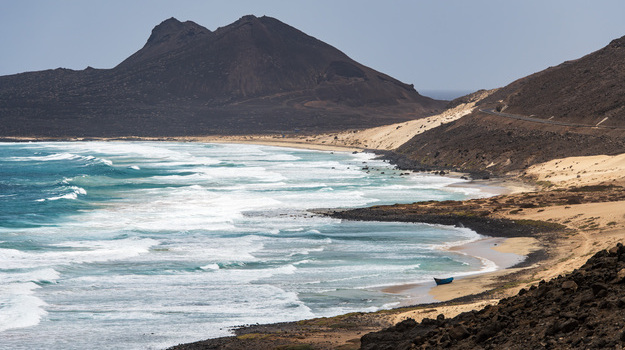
557 112
256 75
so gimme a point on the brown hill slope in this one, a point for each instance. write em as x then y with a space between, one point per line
256 75
544 116
584 91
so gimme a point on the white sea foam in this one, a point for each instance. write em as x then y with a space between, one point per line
302 262
306 251
50 157
186 208
106 161
83 252
210 267
62 156
46 275
75 191
19 308
224 250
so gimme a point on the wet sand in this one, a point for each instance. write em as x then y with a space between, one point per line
497 254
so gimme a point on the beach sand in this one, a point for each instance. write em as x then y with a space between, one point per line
500 251
498 256
581 171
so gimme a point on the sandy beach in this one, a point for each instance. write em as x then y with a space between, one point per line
498 256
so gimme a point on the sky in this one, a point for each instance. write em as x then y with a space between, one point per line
462 45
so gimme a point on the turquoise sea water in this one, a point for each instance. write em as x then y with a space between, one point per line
141 245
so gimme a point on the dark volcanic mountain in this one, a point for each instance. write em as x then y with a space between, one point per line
547 115
257 75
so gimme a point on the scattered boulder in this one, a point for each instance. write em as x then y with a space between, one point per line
459 332
620 276
570 286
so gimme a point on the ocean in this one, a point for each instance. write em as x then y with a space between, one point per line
144 245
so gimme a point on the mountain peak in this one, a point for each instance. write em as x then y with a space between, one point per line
617 43
248 18
173 29
170 35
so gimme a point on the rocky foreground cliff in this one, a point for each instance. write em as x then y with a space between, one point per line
256 75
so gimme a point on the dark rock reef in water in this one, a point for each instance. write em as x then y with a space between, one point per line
588 91
256 75
581 310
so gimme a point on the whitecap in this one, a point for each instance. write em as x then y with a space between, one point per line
50 157
306 251
20 308
210 267
72 195
82 252
106 162
45 275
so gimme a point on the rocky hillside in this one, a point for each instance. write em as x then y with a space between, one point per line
574 109
588 91
583 310
256 75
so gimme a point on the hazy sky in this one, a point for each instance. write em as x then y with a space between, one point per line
433 44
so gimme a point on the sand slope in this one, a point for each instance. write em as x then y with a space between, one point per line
579 171
389 137
386 137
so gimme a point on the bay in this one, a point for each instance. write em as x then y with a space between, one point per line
144 245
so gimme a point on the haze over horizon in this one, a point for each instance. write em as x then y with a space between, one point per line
451 45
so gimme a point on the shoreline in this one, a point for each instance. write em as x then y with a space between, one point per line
490 250
507 254
419 293
562 234
502 251
589 220
266 140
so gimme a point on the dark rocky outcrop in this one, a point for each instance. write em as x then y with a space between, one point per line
483 215
256 75
582 310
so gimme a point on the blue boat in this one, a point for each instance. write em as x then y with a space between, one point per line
440 281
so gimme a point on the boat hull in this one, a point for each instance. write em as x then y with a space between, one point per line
440 281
